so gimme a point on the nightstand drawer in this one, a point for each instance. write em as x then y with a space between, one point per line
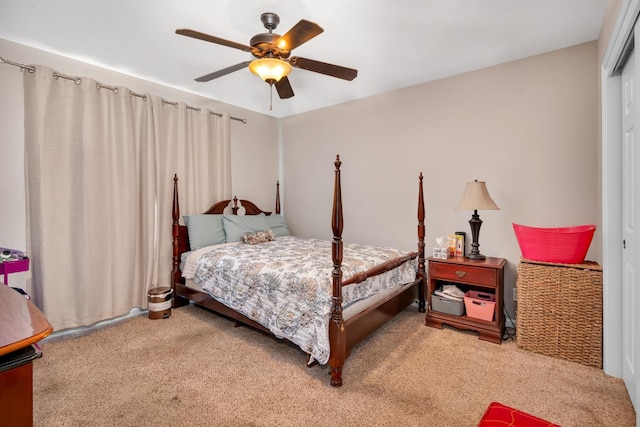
463 274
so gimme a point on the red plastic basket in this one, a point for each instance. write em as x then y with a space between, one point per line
480 305
563 245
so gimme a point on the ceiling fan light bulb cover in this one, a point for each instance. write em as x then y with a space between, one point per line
270 69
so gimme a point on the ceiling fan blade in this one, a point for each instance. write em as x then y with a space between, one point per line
208 38
284 88
223 72
300 33
324 68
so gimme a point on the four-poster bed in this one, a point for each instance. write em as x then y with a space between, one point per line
388 281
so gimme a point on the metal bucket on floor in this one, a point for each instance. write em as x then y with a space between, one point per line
160 300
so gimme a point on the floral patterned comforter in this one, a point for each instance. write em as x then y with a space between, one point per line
286 284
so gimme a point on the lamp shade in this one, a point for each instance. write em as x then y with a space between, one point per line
271 70
476 197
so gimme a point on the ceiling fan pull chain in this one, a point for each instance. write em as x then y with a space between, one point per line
270 97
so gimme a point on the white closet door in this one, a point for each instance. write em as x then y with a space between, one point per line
630 232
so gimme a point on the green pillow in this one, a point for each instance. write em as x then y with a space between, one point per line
237 225
204 230
278 225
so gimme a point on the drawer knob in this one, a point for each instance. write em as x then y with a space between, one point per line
461 273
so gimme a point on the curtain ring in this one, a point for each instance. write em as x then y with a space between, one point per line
76 80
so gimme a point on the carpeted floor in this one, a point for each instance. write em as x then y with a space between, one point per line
196 368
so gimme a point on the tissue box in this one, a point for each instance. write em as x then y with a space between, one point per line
443 253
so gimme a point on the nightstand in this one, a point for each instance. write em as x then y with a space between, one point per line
469 275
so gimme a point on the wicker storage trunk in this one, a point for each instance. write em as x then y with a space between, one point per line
560 310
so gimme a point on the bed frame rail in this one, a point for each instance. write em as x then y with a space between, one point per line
379 269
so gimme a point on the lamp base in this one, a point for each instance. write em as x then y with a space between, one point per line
475 222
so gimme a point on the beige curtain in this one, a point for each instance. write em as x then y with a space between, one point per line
194 144
97 165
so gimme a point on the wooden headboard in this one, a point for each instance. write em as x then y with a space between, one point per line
181 235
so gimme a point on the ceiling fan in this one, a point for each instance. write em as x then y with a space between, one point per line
273 62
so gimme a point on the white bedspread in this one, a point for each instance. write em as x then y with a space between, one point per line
286 284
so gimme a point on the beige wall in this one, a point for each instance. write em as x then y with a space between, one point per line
254 146
528 128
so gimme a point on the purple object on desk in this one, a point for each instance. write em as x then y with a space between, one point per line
16 262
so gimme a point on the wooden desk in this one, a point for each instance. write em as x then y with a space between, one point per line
21 325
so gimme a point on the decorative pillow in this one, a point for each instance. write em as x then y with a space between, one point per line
258 237
237 225
278 225
204 230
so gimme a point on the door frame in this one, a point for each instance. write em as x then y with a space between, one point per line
611 170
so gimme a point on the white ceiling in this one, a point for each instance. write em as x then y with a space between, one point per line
392 44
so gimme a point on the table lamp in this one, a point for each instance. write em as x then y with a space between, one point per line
475 198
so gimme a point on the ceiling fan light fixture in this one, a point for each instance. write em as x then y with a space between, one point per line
271 70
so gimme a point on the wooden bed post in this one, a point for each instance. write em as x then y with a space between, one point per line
337 335
421 262
176 275
175 212
278 197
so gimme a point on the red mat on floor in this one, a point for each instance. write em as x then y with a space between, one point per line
498 414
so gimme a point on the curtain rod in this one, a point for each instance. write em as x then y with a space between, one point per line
77 80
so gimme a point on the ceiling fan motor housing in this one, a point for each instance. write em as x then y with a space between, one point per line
264 43
264 46
270 20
